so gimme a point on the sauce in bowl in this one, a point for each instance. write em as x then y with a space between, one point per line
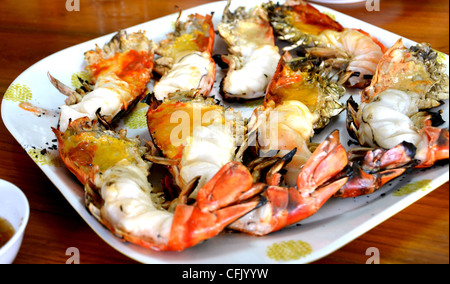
6 231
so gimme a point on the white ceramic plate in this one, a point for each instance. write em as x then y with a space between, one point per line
337 223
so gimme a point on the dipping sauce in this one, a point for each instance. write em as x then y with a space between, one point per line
6 231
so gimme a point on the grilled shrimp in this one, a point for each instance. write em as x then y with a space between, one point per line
415 69
351 50
186 61
300 99
253 55
119 73
407 82
118 194
354 51
196 136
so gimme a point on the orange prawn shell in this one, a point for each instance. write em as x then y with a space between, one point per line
77 158
311 20
288 84
207 43
81 149
132 67
161 128
388 72
200 40
203 40
383 48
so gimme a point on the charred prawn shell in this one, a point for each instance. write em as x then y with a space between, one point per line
252 54
311 81
299 23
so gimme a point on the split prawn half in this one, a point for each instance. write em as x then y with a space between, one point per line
118 77
253 56
285 206
300 99
194 137
394 110
118 194
351 50
186 61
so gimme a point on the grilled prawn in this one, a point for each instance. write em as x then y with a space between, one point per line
415 69
195 136
118 194
186 61
408 82
253 56
119 73
351 50
300 99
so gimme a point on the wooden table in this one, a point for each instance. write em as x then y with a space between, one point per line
32 30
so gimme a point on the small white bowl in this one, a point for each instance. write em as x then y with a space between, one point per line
15 209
